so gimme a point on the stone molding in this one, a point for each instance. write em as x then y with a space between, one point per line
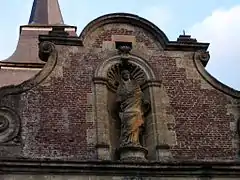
238 127
114 75
202 56
152 86
21 65
101 70
104 168
9 124
61 40
146 25
47 52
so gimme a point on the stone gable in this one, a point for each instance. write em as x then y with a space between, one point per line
66 111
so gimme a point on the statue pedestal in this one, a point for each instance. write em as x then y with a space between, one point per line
132 153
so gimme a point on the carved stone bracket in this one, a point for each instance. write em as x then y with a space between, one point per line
9 124
124 50
48 52
203 56
45 49
200 59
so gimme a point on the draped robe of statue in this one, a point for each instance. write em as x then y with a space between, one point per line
130 98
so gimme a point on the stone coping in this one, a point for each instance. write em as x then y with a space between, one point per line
21 65
155 169
212 80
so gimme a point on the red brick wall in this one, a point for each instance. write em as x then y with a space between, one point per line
54 123
202 124
62 106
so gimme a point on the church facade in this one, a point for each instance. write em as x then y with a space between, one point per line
119 101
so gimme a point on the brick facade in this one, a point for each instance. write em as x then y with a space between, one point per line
65 114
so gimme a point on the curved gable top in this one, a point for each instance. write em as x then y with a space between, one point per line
183 43
129 19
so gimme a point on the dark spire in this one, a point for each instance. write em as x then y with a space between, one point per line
45 12
44 16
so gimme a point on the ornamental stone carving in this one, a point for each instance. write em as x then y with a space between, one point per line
203 56
126 80
131 110
114 75
9 124
45 49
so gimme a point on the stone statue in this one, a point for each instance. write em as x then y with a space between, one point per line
131 102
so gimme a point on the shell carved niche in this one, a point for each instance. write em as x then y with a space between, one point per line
114 75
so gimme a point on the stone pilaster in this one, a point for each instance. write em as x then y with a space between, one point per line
102 120
158 122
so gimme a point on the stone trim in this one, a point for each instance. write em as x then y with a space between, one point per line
21 69
101 118
160 133
61 40
10 65
151 83
114 75
101 71
10 125
105 168
42 27
36 28
124 38
163 146
135 20
177 46
156 125
210 79
49 52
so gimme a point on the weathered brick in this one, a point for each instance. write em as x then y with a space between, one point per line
58 115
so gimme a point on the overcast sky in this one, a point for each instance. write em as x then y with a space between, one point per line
213 21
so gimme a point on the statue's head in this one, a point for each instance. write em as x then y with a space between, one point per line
125 75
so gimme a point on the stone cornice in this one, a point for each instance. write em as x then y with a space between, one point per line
21 65
60 36
150 169
184 43
178 46
46 27
61 40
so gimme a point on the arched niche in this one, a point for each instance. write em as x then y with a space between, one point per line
104 97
